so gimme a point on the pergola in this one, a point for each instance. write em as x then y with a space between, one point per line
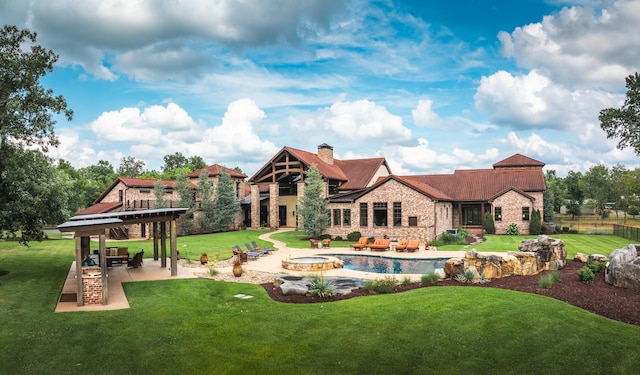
85 226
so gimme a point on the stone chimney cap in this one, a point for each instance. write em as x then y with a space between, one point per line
324 145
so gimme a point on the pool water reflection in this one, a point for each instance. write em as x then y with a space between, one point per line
377 264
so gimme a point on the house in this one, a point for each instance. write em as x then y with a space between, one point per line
134 194
365 196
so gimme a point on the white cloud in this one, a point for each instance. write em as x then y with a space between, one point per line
80 153
579 47
130 125
361 120
423 114
534 101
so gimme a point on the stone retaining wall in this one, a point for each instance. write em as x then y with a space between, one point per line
535 256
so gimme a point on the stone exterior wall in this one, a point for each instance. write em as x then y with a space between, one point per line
414 204
511 203
273 205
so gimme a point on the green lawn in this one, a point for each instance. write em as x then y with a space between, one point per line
197 326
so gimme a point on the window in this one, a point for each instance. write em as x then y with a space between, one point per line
397 214
364 219
346 217
525 213
336 217
380 214
497 214
237 190
413 221
120 195
471 215
145 191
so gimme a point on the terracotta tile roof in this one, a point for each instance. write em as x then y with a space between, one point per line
147 183
518 161
99 208
216 170
483 184
359 172
327 170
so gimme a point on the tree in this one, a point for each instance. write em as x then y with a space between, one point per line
557 191
171 162
624 123
130 167
226 207
597 186
314 208
489 225
575 194
195 163
205 192
184 189
547 198
27 131
535 225
159 191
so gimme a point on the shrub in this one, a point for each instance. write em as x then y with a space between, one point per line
213 272
386 285
447 238
535 224
338 238
513 230
565 229
595 266
586 275
354 236
547 280
430 278
466 276
489 225
406 280
321 287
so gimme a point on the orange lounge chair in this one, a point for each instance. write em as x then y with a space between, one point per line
380 244
363 243
402 245
413 246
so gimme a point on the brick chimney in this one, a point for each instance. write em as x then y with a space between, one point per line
325 153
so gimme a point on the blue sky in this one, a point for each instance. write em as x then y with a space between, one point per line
432 86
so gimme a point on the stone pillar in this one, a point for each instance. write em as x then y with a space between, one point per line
300 195
91 286
273 205
255 207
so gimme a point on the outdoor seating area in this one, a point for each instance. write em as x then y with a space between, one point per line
381 244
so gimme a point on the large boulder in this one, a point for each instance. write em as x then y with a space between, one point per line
623 269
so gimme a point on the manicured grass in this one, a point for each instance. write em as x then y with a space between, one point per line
197 326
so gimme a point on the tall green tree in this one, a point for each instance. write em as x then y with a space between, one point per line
159 192
597 186
27 123
205 192
314 208
226 207
624 122
535 225
130 167
557 192
196 162
185 191
575 193
173 161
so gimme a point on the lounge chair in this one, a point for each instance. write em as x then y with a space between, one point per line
255 246
326 242
252 251
380 244
413 246
402 245
362 244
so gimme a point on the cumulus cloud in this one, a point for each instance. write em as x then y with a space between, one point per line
579 46
534 101
423 115
360 120
131 125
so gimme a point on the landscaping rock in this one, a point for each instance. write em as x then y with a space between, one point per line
623 269
299 285
581 257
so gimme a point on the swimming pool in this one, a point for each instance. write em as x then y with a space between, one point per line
377 264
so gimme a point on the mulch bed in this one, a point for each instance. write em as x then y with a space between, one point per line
598 297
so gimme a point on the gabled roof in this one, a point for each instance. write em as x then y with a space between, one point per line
483 184
351 174
512 189
143 183
216 170
415 185
100 208
518 161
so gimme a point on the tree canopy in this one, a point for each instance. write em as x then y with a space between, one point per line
31 193
624 123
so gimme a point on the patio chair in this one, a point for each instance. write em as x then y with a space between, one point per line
253 253
326 243
136 261
362 244
402 245
382 244
243 255
413 246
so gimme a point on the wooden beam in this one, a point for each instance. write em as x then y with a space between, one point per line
155 240
174 248
79 271
163 244
103 268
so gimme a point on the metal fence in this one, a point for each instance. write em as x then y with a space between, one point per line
625 231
